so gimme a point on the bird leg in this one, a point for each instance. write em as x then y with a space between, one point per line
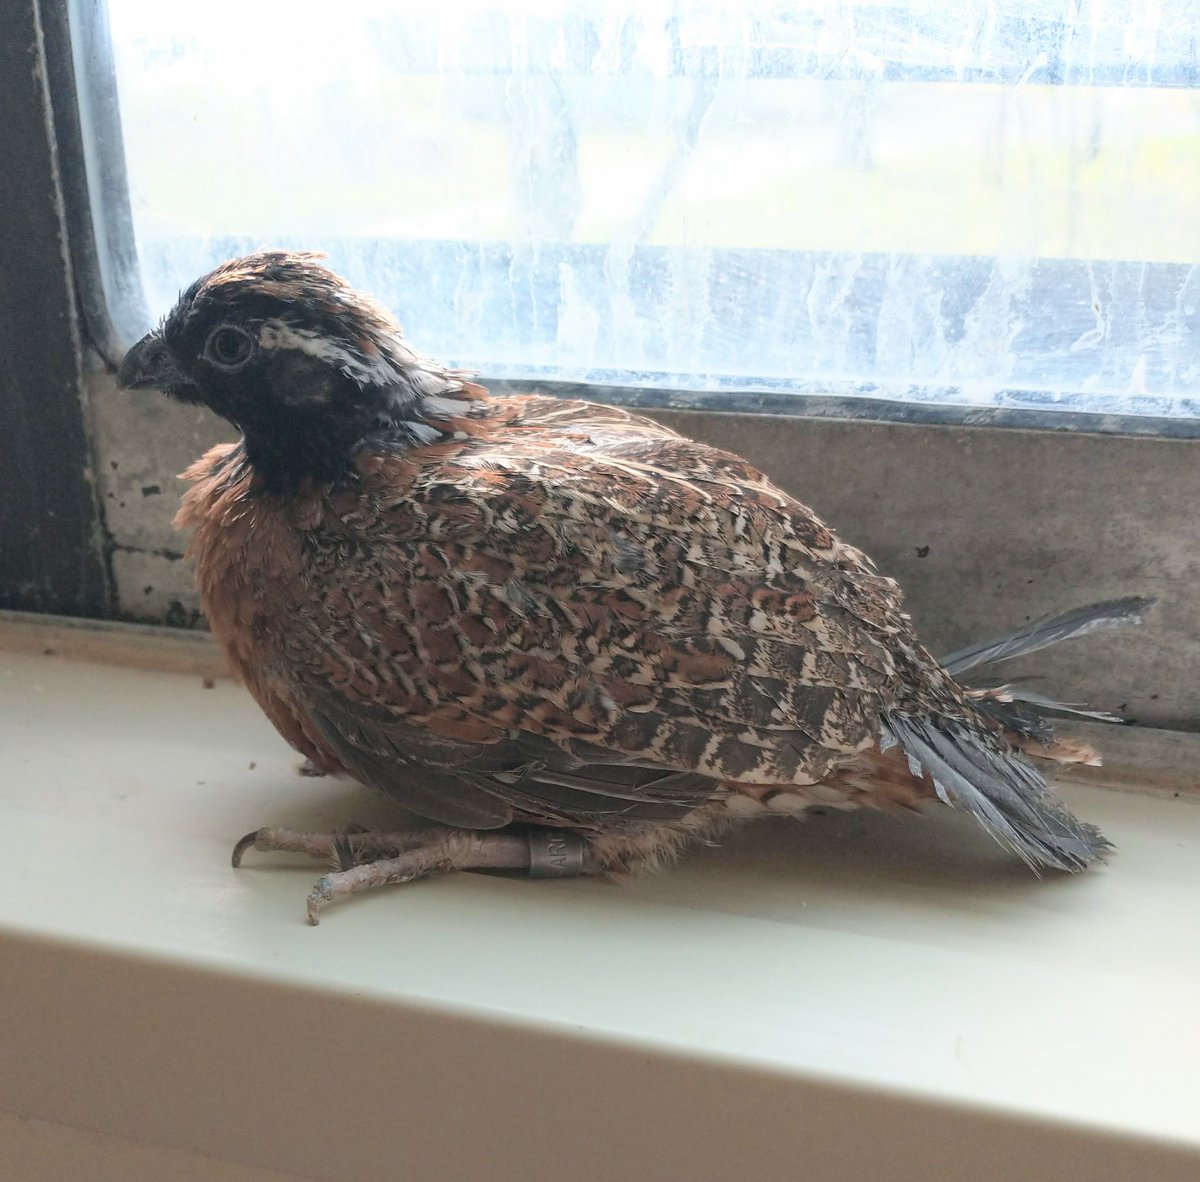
368 860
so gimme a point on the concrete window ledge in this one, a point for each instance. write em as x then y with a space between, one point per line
854 997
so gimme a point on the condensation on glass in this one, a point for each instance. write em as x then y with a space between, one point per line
988 203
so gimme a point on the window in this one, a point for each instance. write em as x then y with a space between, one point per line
700 308
985 203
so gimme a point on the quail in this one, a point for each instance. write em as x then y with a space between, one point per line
570 638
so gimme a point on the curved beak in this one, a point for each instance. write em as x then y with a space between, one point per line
149 365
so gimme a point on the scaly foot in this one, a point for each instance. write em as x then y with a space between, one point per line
366 859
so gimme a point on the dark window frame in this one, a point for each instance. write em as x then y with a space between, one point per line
53 548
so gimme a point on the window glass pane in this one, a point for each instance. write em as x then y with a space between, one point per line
980 202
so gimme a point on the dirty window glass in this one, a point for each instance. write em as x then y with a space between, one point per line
975 202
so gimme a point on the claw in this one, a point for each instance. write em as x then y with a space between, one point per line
242 846
346 847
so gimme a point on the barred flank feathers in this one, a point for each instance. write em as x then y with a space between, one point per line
1112 613
1007 796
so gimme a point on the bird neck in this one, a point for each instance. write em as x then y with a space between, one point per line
291 455
300 449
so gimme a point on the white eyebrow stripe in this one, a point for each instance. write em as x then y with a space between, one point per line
400 374
374 371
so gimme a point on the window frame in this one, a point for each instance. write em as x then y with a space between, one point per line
53 545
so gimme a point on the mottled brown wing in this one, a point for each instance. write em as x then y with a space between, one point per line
587 596
482 786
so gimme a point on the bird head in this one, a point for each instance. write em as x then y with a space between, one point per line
300 362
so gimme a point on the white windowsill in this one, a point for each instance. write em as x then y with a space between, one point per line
855 997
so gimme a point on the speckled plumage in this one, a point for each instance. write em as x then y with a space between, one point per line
532 610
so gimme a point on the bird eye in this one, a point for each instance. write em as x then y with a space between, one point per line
229 347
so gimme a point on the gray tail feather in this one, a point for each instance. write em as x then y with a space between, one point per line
1112 613
1026 713
1003 792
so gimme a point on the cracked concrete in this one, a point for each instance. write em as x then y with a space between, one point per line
142 442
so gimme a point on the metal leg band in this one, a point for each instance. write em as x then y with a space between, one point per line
554 854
